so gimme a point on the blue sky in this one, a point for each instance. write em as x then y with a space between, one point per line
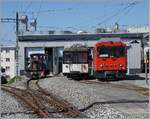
73 14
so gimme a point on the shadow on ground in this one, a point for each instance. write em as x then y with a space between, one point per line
134 77
128 77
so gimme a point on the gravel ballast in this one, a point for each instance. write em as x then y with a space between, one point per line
13 108
81 95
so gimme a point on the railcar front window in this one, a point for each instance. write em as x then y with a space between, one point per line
82 57
75 57
67 57
109 51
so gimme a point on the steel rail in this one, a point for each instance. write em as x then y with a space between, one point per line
67 108
27 101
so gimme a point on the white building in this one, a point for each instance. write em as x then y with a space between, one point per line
8 61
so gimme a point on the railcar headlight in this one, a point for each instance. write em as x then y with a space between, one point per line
120 65
101 65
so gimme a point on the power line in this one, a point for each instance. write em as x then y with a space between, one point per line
127 6
47 11
39 9
118 12
28 6
112 16
125 13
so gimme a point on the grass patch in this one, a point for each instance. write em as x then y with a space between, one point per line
16 78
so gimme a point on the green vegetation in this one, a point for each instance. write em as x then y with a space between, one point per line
16 78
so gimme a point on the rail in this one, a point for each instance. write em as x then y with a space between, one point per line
43 102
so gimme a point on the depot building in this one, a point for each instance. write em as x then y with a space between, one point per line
53 44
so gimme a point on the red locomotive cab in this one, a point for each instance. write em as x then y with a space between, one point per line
110 60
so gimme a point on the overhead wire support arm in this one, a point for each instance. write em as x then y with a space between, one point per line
6 20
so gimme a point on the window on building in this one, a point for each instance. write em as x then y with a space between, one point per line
7 68
7 50
7 59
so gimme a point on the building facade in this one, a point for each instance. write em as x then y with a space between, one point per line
8 61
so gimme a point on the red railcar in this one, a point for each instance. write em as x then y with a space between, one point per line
110 60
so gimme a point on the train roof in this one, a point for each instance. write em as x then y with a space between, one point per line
76 49
109 41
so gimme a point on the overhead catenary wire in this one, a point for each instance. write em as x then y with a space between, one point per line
125 13
127 7
112 16
48 11
28 6
105 14
39 9
129 10
118 12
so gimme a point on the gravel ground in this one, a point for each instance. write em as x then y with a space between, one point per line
81 95
20 84
107 112
12 108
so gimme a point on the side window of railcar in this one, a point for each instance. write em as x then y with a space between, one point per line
80 57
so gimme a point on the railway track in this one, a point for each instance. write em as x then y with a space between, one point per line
128 86
43 103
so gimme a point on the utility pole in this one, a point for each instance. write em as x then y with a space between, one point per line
17 47
23 19
16 20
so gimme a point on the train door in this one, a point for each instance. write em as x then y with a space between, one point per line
60 54
134 57
49 53
57 58
60 65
